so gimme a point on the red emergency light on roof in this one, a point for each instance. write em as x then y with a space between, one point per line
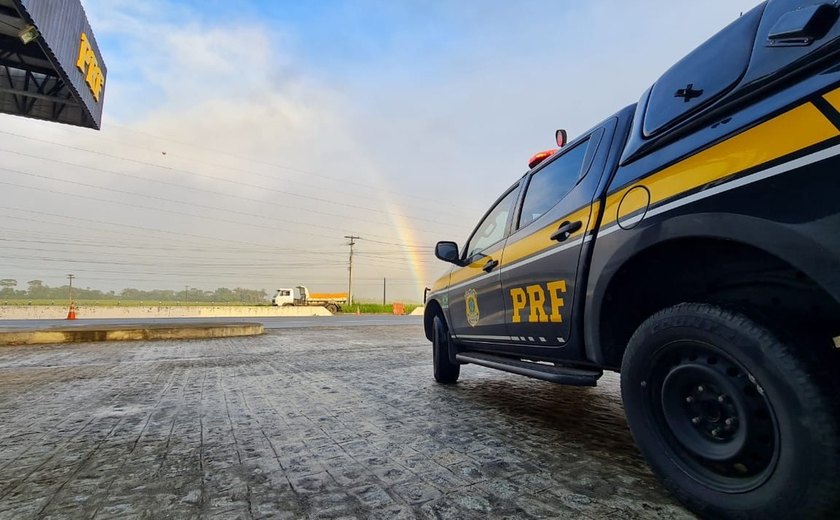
539 157
560 136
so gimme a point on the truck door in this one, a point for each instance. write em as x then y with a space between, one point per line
476 305
540 273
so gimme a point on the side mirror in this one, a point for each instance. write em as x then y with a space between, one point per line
448 252
560 137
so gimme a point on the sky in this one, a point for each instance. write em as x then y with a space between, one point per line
242 141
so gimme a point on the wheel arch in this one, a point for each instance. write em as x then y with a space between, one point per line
433 308
674 262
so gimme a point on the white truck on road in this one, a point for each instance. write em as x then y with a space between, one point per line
301 297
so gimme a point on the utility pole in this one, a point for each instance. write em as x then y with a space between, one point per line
350 268
70 277
186 293
383 291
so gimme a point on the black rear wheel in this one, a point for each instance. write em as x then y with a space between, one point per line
446 372
731 419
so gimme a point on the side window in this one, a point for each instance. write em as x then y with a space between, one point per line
492 228
552 183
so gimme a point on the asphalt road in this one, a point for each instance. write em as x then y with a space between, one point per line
328 422
268 322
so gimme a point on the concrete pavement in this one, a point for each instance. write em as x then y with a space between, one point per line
340 320
327 422
128 332
53 312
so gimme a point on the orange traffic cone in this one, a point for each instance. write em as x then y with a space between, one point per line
72 314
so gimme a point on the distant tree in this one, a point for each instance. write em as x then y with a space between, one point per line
131 294
60 293
88 294
250 295
37 289
223 294
8 287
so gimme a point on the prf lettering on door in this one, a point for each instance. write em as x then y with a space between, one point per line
536 298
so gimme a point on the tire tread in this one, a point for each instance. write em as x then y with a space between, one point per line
807 373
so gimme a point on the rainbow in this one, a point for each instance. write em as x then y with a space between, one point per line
407 236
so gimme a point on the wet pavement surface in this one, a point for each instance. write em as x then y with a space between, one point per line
269 322
306 423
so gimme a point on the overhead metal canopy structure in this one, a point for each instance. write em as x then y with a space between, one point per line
50 65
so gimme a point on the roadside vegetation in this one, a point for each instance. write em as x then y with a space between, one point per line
377 308
39 293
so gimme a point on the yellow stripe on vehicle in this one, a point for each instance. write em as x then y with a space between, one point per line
833 98
440 283
787 133
532 244
541 240
476 268
594 209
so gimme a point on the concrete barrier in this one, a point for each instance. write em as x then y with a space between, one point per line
57 312
90 333
418 311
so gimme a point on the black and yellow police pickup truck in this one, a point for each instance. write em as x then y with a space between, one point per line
690 242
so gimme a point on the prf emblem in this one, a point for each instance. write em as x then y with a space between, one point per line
471 302
89 66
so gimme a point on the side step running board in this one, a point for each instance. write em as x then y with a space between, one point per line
562 375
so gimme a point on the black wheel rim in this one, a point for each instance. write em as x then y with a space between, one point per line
714 415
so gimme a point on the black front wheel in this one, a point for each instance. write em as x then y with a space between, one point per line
446 372
730 417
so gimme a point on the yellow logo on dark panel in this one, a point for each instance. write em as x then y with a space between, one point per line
471 302
89 66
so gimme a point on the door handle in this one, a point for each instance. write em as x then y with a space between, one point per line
490 265
565 230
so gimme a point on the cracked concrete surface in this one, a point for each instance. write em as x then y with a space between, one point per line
312 423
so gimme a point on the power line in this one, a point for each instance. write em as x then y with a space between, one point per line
203 217
169 139
197 174
308 209
175 234
123 245
162 199
157 276
156 233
